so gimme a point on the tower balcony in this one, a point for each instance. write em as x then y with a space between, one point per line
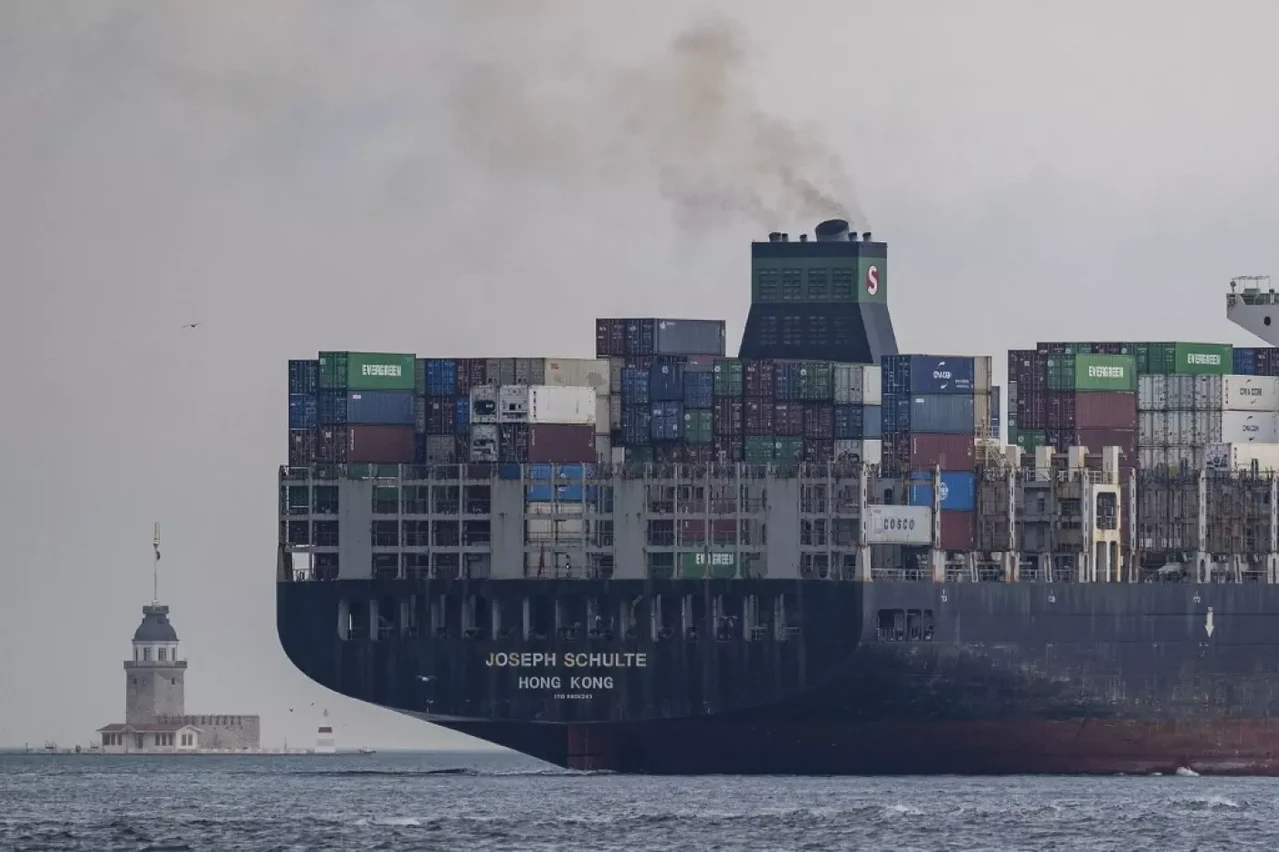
155 664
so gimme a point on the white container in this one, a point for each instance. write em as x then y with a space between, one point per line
615 367
512 404
484 443
579 373
1151 457
1187 455
484 404
870 451
983 374
1149 424
912 525
442 449
1249 393
1241 456
857 384
1248 427
562 405
1152 393
603 415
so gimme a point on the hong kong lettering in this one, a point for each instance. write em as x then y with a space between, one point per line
391 370
527 659
557 682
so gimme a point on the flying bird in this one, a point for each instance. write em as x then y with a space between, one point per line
191 325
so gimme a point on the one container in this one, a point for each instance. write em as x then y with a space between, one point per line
1092 373
857 384
666 421
666 382
690 337
484 404
556 442
635 387
1103 410
950 452
573 372
728 416
610 337
957 531
441 416
958 490
788 448
943 414
929 374
1245 361
699 427
302 411
786 385
512 443
483 443
380 371
304 376
301 447
1249 427
907 525
729 378
380 407
1030 439
441 377
379 444
857 422
760 448
1265 457
1188 358
443 449
819 421
1029 369
758 418
699 390
1249 393
816 381
868 451
788 418
996 411
760 378
636 426
331 408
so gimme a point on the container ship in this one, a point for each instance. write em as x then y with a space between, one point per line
822 556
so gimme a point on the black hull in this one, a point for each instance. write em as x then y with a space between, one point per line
992 678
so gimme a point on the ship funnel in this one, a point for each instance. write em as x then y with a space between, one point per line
831 230
803 238
866 237
774 236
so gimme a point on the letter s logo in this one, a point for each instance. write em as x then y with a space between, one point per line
872 280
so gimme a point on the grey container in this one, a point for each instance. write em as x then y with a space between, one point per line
943 414
690 337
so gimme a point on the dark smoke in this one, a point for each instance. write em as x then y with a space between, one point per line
683 124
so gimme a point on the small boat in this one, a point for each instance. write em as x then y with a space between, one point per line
367 750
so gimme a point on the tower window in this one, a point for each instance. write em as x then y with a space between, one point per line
768 291
818 285
792 285
162 653
146 653
841 281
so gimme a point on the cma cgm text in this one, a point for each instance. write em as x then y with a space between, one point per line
1105 372
392 370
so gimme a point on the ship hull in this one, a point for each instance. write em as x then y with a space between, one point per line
978 678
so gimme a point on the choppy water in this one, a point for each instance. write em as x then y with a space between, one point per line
479 802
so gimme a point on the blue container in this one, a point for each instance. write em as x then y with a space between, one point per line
943 414
667 422
635 387
463 415
635 426
1245 362
380 408
557 493
895 414
441 377
302 411
857 422
928 374
559 472
786 382
331 408
304 376
666 382
958 490
508 471
699 390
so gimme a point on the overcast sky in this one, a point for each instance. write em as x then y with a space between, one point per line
420 176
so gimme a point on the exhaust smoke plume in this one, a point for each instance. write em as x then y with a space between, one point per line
683 124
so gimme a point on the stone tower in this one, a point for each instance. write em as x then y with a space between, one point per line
155 677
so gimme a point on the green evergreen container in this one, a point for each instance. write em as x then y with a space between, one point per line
701 564
1092 373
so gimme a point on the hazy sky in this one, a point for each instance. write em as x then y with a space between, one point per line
420 176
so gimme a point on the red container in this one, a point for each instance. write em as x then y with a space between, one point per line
818 450
759 379
788 419
950 452
728 416
1029 369
1032 411
759 417
957 530
1095 439
722 530
1104 410
819 421
557 442
729 449
379 444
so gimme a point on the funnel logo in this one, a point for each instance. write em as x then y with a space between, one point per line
872 280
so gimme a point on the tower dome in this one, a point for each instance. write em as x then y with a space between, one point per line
155 626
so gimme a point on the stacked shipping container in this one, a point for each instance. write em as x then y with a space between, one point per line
935 408
1181 416
358 408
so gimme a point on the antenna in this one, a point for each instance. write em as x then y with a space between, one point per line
155 567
